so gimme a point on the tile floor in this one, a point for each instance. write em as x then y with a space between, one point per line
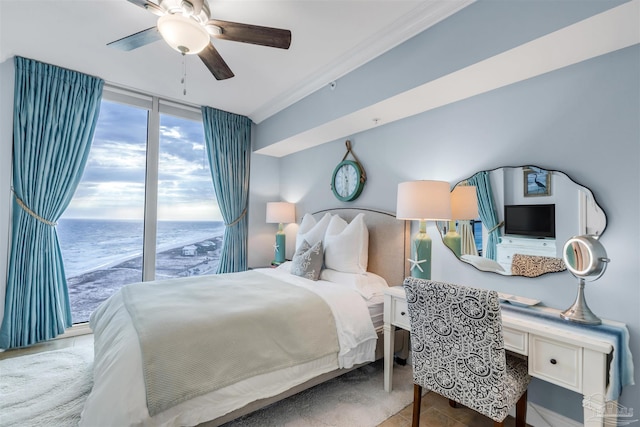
435 411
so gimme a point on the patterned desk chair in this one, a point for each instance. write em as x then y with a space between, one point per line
458 350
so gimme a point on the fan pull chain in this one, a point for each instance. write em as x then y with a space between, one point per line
184 75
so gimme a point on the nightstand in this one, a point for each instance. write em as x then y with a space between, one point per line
396 315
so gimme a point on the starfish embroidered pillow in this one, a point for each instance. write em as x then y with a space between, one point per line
307 261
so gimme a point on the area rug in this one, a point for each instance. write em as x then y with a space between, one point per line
355 399
49 389
45 389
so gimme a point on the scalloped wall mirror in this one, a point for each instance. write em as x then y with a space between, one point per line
525 215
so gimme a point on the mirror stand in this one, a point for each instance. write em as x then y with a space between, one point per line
580 311
584 257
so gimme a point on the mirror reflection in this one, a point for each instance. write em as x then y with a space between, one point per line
524 215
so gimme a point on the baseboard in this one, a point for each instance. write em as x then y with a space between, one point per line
75 330
537 416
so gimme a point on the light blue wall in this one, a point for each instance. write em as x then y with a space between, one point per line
583 120
479 31
264 188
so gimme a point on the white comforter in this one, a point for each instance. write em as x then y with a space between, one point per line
118 397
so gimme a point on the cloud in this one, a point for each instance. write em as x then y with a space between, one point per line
113 183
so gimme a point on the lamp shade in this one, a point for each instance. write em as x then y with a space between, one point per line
464 202
281 212
183 34
424 200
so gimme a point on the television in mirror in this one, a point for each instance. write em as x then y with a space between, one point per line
530 220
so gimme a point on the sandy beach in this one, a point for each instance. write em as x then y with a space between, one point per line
88 290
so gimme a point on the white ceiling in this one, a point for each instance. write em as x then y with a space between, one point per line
329 39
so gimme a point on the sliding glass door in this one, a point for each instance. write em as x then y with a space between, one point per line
145 207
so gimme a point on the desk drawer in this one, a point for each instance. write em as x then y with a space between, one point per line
400 314
556 362
516 341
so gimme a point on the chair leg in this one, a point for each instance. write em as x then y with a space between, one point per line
453 403
417 401
521 411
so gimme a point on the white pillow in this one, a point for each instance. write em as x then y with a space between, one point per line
312 231
285 267
367 284
346 246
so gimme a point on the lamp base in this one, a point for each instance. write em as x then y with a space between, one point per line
453 239
421 261
280 248
580 312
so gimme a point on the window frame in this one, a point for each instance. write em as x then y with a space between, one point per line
154 106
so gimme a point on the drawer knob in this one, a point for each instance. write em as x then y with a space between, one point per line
553 361
402 313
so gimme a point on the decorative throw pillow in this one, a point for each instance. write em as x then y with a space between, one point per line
347 245
311 230
307 261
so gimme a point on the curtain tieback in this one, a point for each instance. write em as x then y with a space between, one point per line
498 225
237 220
30 212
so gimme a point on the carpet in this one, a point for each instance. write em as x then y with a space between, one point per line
355 399
45 389
49 389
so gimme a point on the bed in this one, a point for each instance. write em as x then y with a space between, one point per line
143 376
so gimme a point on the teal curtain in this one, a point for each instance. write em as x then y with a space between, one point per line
487 211
55 114
228 140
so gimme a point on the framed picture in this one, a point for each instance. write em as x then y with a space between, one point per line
537 182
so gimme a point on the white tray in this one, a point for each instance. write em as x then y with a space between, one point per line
517 300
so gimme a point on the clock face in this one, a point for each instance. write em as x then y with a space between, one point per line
346 180
347 184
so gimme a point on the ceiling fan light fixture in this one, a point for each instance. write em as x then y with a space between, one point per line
213 30
183 34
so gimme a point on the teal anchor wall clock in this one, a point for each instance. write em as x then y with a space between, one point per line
348 178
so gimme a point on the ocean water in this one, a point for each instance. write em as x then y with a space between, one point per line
89 244
477 235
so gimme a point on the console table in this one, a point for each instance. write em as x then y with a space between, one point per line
566 355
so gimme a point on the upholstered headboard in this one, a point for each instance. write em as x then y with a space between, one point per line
389 242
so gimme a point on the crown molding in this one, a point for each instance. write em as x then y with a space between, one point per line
419 19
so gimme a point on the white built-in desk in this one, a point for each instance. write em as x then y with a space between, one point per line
565 355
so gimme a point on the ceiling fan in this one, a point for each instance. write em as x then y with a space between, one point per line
187 27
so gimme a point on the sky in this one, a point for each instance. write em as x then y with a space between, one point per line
113 182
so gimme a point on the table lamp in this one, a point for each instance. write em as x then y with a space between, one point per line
464 206
423 201
281 213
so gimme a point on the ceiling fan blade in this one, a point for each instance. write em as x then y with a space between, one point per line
254 34
215 63
136 40
151 7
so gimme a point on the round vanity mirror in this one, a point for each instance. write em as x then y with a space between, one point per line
586 259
